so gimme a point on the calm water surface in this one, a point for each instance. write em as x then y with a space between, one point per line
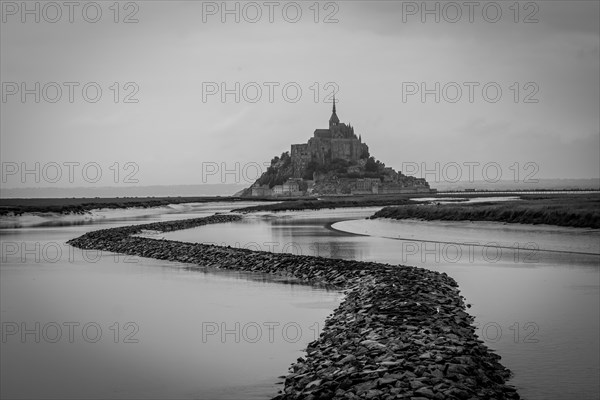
111 326
534 290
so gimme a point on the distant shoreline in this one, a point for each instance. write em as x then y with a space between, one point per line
82 205
567 208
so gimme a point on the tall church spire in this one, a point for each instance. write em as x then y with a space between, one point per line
334 120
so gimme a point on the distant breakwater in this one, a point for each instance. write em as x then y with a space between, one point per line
401 332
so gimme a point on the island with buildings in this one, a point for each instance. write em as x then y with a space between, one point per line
333 162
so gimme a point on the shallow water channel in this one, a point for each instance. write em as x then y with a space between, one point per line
86 324
534 290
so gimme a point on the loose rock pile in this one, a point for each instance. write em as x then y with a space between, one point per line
401 332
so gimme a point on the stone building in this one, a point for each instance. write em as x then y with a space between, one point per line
261 191
291 186
336 142
366 186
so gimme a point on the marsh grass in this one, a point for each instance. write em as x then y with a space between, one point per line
580 210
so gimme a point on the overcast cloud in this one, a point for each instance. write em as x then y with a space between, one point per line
374 54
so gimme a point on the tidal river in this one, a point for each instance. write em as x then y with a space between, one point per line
533 290
84 324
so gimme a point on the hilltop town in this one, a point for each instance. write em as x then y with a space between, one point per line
333 162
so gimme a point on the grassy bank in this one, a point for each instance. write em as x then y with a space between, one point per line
578 210
318 204
81 205
363 201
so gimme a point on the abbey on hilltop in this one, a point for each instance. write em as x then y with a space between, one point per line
336 142
333 162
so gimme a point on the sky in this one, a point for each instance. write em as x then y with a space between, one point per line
179 92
